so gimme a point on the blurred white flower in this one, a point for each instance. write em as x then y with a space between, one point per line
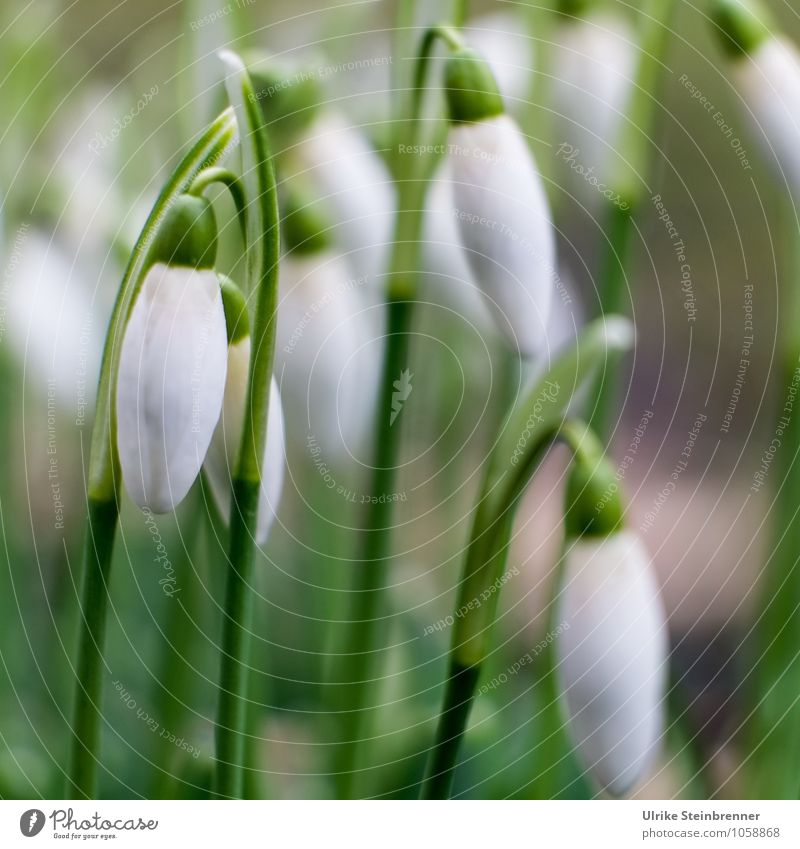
329 349
500 37
505 226
594 64
171 383
355 188
220 463
768 81
53 325
612 652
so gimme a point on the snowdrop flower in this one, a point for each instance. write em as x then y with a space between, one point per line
499 204
765 71
355 188
592 78
51 320
220 463
173 361
330 324
612 645
509 52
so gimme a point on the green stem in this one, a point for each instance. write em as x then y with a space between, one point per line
613 283
361 655
235 649
104 472
777 725
263 255
87 706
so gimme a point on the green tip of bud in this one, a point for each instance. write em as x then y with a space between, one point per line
304 227
593 502
237 320
744 25
470 87
187 234
289 99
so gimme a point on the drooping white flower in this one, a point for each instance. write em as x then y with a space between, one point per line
355 188
501 38
327 357
171 383
52 324
768 81
505 226
612 654
594 65
220 464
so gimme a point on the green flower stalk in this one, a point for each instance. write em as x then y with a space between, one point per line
262 225
531 427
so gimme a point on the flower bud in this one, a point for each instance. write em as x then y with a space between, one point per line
172 365
500 206
765 71
170 384
328 350
220 463
354 188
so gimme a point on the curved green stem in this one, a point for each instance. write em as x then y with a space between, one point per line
263 255
526 435
104 474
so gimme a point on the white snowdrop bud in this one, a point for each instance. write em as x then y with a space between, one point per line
592 78
499 203
612 656
220 464
509 50
172 362
355 188
765 71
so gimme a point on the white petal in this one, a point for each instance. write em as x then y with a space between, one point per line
328 352
171 383
612 657
356 189
220 463
505 226
769 84
500 37
593 70
449 277
53 326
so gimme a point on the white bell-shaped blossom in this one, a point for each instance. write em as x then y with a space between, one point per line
328 350
509 50
594 65
171 383
505 226
220 464
355 188
612 652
